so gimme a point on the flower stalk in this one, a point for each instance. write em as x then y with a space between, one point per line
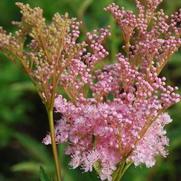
53 143
117 176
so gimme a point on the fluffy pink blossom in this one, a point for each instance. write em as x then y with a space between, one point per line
124 114
146 151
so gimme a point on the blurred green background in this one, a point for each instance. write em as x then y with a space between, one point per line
23 121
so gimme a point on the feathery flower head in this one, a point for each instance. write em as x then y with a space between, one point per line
112 115
124 118
51 48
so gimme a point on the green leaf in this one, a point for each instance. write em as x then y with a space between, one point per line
32 167
23 86
43 175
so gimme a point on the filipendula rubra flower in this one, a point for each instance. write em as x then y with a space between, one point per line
121 121
44 50
111 116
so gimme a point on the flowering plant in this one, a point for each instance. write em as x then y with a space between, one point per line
112 114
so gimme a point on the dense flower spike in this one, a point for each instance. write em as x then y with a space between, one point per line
119 128
124 118
52 48
113 114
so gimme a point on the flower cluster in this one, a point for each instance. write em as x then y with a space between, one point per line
113 113
124 116
44 50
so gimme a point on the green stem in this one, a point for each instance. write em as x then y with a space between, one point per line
117 171
120 175
121 170
54 146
